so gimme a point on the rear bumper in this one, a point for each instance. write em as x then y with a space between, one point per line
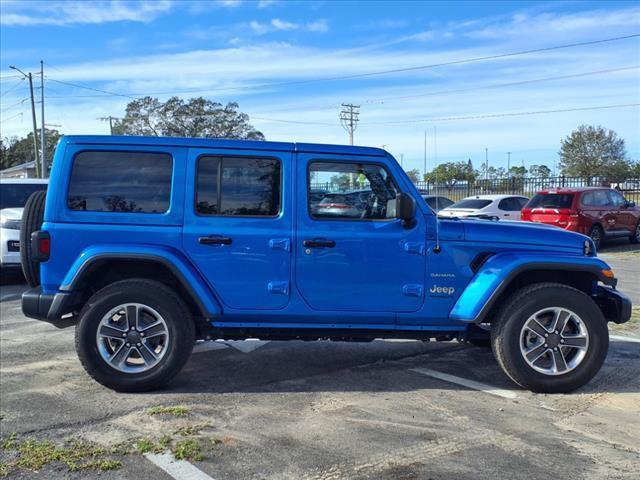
47 307
615 306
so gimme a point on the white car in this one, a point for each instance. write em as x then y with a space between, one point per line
501 207
13 195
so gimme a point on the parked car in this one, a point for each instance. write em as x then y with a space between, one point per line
344 204
601 213
13 196
437 202
501 207
149 243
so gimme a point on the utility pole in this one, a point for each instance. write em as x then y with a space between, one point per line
110 119
486 163
33 117
43 153
425 153
349 119
402 160
508 161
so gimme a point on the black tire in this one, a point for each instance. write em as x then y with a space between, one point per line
505 336
635 236
597 235
32 218
165 301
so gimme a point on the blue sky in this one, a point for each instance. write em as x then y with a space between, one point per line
245 51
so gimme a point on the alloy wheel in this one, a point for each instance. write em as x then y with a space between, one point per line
132 338
554 341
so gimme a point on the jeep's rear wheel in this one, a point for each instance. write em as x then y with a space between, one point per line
32 218
134 335
550 338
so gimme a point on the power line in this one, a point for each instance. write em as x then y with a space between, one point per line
507 114
467 117
361 75
14 105
77 85
19 114
500 85
12 88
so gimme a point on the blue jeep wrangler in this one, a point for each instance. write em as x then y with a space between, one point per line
148 244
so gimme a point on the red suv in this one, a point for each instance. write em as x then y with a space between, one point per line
601 213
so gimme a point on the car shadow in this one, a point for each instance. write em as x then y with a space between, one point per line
379 366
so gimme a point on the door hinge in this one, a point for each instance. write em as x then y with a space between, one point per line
279 244
413 290
278 288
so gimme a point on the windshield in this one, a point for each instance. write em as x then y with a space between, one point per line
473 203
551 200
14 195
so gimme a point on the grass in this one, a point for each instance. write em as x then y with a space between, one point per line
190 430
174 411
189 449
75 455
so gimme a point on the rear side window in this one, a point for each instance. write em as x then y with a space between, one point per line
131 182
551 200
598 198
237 186
475 204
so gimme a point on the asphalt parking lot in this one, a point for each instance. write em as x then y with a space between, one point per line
319 410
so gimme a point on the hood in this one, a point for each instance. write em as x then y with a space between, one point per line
12 213
522 233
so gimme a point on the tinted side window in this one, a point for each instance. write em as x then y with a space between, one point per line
509 204
616 199
133 182
522 201
354 191
600 198
588 200
238 186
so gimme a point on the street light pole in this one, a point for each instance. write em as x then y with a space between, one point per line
33 117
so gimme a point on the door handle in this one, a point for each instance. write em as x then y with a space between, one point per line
213 240
319 243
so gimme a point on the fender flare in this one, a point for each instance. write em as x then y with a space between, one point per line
189 277
496 274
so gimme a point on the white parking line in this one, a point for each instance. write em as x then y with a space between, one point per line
244 346
208 346
621 338
178 469
500 392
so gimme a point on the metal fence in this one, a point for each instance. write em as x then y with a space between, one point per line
527 186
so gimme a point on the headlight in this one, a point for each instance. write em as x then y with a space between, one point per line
589 248
10 223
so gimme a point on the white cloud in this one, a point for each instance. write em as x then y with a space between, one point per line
283 25
525 24
79 12
276 24
266 3
318 26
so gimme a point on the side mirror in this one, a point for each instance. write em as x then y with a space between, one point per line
406 209
629 204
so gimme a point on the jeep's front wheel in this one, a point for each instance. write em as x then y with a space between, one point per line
134 335
550 338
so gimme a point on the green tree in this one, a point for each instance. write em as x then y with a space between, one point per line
517 172
635 169
450 173
197 117
16 151
539 171
414 175
592 151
